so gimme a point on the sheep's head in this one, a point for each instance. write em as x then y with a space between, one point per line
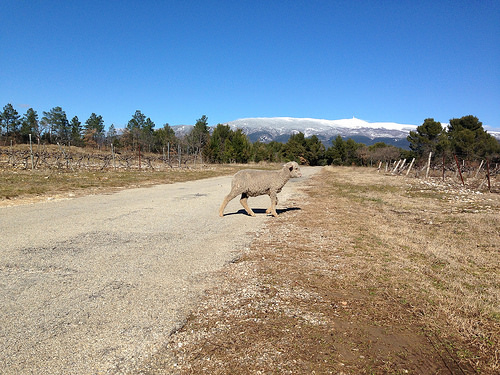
293 168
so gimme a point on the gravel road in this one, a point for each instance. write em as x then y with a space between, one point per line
94 285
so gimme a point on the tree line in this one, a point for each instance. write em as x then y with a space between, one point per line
464 136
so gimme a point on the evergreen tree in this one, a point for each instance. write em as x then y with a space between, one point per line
218 148
146 134
240 147
352 148
93 130
337 154
469 140
199 135
112 137
30 125
112 133
276 151
315 151
428 137
295 148
56 125
260 152
9 120
165 136
76 132
134 128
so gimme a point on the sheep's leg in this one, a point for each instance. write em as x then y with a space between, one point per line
274 203
269 210
228 198
244 203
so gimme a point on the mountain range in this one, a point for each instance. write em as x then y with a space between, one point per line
267 129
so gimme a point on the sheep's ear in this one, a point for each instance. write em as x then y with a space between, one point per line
290 168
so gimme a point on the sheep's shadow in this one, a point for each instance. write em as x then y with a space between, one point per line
259 211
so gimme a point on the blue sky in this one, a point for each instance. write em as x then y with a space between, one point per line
399 61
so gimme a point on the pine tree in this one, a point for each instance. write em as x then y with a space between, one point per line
133 129
165 136
56 125
30 125
469 140
9 119
428 137
199 135
76 131
315 151
337 154
295 147
93 130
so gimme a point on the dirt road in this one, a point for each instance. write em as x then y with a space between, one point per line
93 285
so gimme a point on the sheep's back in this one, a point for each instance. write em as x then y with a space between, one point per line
257 182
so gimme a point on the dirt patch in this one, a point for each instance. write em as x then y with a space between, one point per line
375 274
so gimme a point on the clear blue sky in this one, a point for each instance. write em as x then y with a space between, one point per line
400 61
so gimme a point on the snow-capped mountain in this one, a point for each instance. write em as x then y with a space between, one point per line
267 129
494 134
182 130
280 128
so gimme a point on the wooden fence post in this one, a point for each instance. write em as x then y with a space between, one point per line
396 167
488 173
113 155
402 166
411 165
139 157
480 166
179 152
459 171
31 152
428 165
444 160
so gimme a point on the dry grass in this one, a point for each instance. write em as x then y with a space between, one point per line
28 186
375 274
19 184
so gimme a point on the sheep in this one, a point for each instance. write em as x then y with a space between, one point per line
252 183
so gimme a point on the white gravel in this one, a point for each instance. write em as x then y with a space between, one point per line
95 285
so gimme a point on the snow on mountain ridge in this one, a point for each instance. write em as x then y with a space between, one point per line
267 129
317 124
